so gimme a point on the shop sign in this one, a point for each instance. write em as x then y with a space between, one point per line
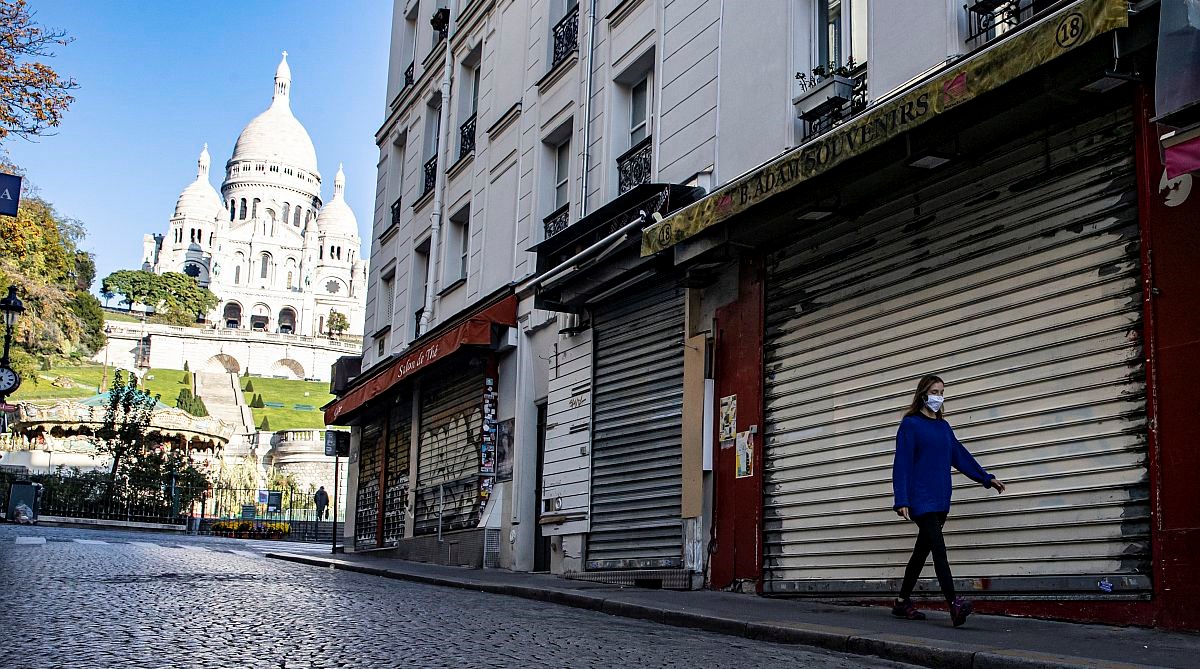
1065 30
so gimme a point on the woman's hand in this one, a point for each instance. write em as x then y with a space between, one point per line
903 513
998 485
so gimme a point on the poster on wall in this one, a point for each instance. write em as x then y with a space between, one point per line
504 450
745 455
728 418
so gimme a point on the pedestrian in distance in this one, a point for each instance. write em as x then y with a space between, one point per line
322 500
925 450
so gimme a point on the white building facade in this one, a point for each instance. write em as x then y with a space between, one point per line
279 257
563 380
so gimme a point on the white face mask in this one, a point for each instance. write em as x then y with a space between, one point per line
934 402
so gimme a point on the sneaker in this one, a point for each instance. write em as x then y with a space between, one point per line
959 610
905 609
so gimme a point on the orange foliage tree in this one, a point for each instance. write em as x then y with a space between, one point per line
33 97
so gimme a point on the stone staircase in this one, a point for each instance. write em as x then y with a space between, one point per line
223 398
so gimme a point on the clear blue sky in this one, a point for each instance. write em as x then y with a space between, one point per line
158 79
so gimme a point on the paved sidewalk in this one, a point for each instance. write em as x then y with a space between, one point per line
986 642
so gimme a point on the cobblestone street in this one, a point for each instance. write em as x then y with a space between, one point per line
79 598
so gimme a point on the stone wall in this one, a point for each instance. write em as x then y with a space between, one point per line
222 350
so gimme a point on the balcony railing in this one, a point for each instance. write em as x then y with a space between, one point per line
395 214
466 137
845 99
417 315
430 174
633 167
989 19
566 36
558 221
410 74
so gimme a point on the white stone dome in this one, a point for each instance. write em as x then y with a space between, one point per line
275 135
336 217
199 199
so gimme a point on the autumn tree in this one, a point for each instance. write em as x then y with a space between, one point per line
33 97
39 253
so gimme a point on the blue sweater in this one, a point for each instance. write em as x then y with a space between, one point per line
925 449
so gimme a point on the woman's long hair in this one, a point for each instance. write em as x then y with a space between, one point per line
918 401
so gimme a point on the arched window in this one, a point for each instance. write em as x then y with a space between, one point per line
296 222
289 283
286 211
320 253
232 209
237 274
242 211
266 263
254 208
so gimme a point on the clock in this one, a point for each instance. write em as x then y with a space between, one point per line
9 380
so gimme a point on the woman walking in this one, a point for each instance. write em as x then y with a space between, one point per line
925 449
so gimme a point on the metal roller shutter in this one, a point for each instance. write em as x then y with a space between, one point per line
366 510
636 448
448 467
1016 280
395 496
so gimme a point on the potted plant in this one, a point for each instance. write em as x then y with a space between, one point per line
827 89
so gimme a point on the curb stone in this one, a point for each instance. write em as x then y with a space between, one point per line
913 650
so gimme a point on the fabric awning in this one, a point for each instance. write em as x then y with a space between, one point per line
474 330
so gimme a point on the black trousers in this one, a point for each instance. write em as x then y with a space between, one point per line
929 540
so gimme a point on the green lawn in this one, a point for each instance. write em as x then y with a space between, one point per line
289 393
121 317
87 378
165 382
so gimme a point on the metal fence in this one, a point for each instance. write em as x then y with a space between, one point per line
91 496
292 506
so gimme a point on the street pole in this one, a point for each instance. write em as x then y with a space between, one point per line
336 461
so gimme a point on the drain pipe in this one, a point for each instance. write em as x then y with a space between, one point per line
587 110
439 187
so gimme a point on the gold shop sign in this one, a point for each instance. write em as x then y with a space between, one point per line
1059 33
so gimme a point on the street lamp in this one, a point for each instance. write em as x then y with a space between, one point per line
12 307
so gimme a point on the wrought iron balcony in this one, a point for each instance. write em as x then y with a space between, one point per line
633 166
558 221
566 36
838 106
988 19
395 214
410 74
430 174
466 137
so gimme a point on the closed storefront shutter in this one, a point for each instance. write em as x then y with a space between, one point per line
451 431
366 514
1017 280
395 497
636 448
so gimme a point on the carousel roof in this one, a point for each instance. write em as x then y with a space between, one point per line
85 417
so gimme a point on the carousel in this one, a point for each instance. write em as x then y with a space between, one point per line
63 433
